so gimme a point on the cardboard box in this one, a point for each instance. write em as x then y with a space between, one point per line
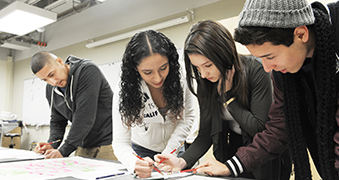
6 141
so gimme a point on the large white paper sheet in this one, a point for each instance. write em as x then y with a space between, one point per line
82 168
6 153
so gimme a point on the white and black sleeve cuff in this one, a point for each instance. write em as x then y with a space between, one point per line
235 166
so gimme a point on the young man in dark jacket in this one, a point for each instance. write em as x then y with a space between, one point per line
296 41
78 92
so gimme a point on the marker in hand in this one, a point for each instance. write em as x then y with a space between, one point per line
50 143
152 164
173 151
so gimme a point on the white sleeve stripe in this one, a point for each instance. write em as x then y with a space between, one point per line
238 164
233 168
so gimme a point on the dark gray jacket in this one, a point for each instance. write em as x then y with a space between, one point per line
87 103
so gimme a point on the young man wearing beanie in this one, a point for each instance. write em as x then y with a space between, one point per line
297 41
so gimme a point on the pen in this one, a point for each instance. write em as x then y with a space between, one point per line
173 151
117 174
152 164
178 172
189 170
50 143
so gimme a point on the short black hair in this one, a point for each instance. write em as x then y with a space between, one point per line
259 35
39 60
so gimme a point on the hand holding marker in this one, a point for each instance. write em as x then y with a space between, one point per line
152 164
173 151
50 143
182 171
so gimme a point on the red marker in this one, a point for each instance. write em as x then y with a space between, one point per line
173 151
50 143
152 164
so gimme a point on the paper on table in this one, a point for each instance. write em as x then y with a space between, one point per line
201 177
19 154
77 167
156 175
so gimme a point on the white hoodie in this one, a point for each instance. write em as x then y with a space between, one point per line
161 136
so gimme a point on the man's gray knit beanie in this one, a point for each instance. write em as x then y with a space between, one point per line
276 13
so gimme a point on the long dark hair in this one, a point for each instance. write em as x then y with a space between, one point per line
215 42
144 44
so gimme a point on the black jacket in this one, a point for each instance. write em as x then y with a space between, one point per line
217 132
86 103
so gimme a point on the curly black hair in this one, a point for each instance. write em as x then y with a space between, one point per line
144 44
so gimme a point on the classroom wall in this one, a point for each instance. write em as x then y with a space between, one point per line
3 73
3 54
4 104
109 53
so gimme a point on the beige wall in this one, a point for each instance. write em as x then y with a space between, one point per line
3 75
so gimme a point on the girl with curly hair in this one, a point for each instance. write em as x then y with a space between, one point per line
153 110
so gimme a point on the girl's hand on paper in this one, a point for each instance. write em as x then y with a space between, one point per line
42 147
171 163
52 153
144 168
213 167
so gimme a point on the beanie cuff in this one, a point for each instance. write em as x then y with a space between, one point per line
276 18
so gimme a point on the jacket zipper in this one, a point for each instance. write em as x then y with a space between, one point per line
164 137
65 98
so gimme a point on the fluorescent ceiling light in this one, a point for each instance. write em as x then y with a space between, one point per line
16 45
33 1
20 18
119 37
55 4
